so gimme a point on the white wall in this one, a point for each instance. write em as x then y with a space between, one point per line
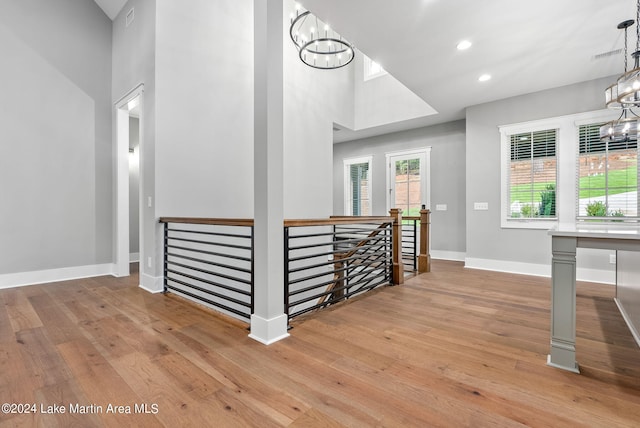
447 142
55 128
313 101
204 72
383 100
134 185
529 251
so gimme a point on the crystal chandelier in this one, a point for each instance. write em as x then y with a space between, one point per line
318 45
625 128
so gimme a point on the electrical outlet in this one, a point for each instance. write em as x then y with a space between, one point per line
148 261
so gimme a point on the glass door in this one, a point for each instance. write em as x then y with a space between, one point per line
406 187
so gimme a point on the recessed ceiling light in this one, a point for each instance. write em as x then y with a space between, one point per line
484 78
464 44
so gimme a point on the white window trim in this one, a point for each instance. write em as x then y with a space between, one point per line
425 172
347 196
566 164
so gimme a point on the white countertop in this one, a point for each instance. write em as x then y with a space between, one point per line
597 231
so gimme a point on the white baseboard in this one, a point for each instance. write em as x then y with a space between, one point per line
448 255
21 279
134 257
582 274
152 284
268 331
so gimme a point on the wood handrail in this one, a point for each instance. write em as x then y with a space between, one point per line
337 220
209 221
333 220
411 217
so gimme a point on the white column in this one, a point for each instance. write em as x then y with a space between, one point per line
268 322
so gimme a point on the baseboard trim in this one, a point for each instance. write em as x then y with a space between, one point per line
582 274
152 284
134 257
22 279
448 255
268 331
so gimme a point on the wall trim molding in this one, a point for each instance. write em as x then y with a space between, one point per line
268 331
152 284
134 257
448 255
582 274
21 279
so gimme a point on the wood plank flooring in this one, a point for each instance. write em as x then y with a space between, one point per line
451 348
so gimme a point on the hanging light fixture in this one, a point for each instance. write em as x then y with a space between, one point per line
318 45
625 128
628 88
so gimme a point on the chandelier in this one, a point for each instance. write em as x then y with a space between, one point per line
318 45
628 88
621 95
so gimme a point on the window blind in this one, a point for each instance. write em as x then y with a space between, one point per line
607 175
533 175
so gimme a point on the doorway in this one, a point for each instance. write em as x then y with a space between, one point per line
129 170
408 181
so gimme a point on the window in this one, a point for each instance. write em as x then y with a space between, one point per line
532 175
372 69
607 176
357 174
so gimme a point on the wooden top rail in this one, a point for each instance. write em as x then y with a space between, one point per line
287 223
210 221
335 220
411 217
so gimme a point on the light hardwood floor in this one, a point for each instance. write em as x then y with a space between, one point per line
454 347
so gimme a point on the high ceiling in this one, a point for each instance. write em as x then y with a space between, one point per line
526 46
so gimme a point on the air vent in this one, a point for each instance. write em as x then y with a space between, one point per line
607 54
130 17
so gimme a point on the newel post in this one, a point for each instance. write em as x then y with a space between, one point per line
424 259
396 243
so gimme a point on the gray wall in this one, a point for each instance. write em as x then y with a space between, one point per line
447 142
485 238
55 134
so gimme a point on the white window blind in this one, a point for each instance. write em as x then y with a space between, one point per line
607 176
358 188
532 175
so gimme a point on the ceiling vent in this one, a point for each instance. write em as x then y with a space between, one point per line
130 17
607 54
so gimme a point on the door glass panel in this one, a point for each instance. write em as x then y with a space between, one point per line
408 191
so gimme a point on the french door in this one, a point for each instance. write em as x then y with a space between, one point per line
408 181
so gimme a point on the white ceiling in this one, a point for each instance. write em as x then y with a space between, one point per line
526 46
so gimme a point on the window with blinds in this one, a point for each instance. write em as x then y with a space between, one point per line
607 176
532 175
358 189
